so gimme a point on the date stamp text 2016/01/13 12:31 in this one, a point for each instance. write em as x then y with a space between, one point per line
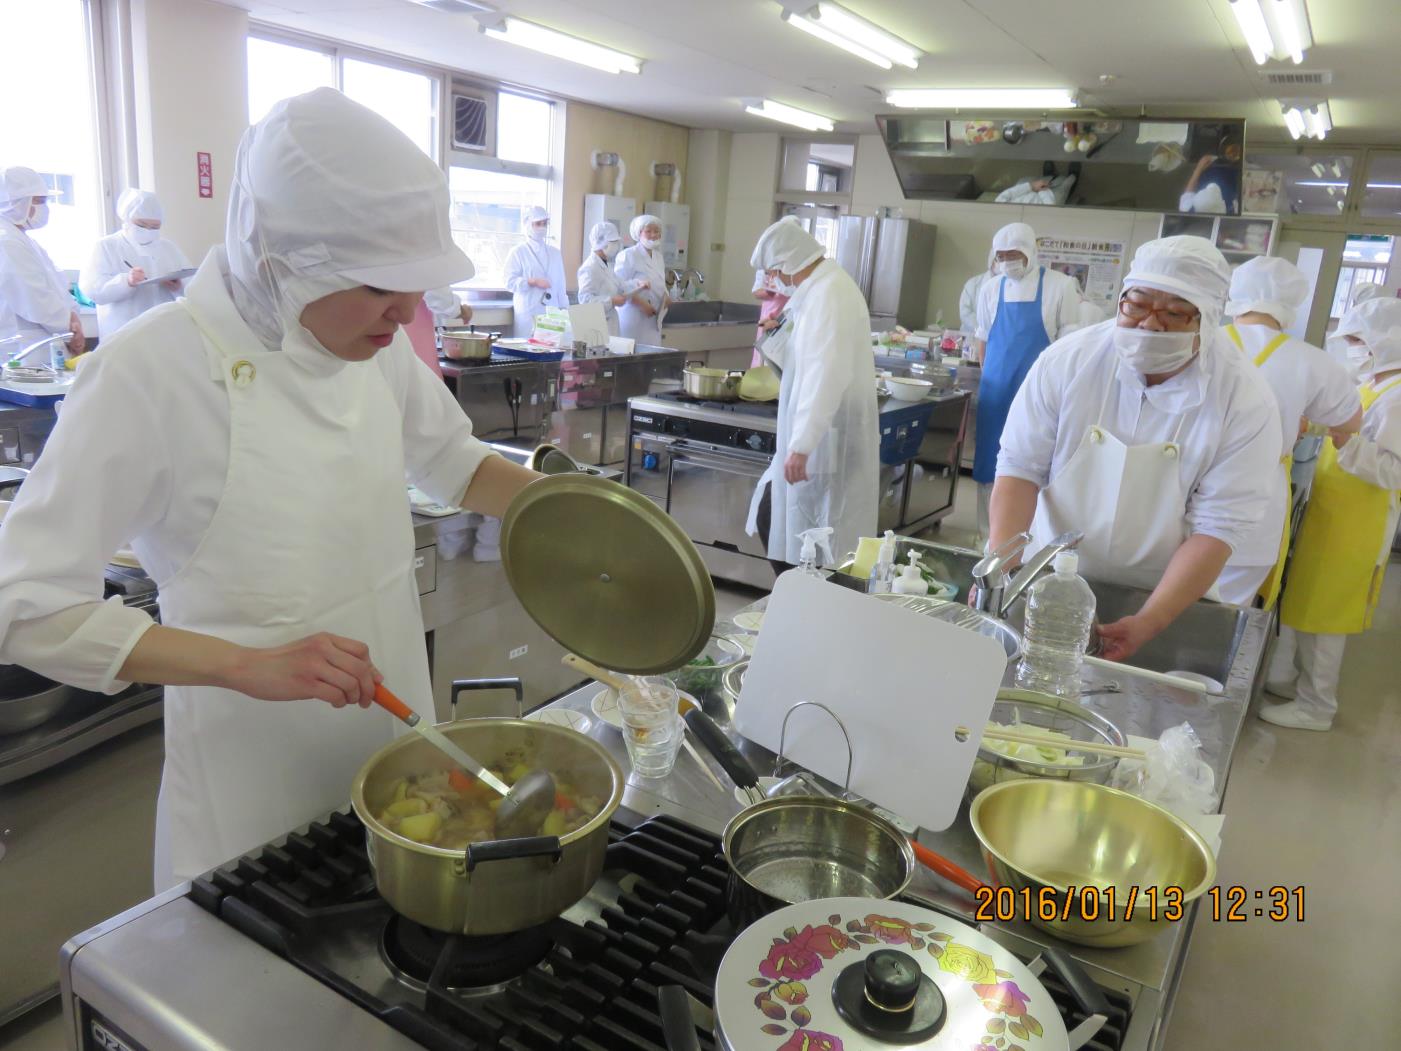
1231 904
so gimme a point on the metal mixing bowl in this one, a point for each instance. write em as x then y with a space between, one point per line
1075 834
1028 708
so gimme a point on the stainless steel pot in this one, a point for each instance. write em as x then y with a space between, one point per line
28 700
467 344
709 384
801 848
504 885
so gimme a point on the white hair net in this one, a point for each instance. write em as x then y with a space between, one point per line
18 188
1016 237
1189 267
641 223
1365 291
602 234
328 195
1266 285
1377 323
786 247
139 204
534 214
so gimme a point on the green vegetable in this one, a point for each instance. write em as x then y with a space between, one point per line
700 675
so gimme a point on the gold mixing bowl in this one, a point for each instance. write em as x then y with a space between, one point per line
1115 869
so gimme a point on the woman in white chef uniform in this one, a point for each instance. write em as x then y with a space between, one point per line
34 300
826 461
252 441
1309 386
534 274
1148 434
121 263
598 282
641 316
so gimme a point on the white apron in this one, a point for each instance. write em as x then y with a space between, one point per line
311 534
1129 501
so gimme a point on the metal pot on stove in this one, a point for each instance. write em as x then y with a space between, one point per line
709 384
498 886
467 344
870 973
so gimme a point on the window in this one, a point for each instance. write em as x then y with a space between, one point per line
523 128
49 120
277 71
1366 258
406 99
1296 183
1382 197
487 208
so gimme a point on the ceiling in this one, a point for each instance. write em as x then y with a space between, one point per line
1177 57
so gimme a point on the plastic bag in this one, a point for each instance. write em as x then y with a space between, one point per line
1172 774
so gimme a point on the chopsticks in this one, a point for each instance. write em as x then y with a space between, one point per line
1093 747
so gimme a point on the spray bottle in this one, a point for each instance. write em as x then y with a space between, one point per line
883 571
813 539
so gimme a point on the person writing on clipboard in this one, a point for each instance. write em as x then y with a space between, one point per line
121 277
251 441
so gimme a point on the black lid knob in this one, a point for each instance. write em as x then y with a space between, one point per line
892 979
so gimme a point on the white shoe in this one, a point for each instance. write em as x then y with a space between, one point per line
1287 690
1294 716
486 553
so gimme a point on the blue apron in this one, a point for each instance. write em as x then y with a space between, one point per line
1017 339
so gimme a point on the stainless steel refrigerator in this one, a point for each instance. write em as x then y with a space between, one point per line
891 260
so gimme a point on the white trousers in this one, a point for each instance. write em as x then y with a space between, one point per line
1313 664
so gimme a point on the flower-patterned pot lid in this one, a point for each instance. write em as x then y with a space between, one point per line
775 987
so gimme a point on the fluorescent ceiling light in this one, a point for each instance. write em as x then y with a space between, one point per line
1318 120
1274 28
559 45
1320 182
1294 121
799 118
847 29
985 98
826 35
1252 23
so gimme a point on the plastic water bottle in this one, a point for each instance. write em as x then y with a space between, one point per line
1059 611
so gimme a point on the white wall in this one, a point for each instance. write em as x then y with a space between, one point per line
190 80
965 229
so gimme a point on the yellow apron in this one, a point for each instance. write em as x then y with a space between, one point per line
1269 590
1336 576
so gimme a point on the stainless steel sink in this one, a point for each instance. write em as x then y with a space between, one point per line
711 313
1205 639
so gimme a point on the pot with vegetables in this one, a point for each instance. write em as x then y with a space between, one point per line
431 830
1058 724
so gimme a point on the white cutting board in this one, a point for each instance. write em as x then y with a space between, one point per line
899 680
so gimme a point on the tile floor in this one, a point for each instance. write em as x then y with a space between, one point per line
1322 811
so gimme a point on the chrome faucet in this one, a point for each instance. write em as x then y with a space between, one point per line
995 589
686 281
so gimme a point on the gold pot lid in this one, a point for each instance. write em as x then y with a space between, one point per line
607 574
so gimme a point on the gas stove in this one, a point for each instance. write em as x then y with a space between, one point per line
290 946
678 398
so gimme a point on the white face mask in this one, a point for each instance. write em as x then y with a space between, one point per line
39 217
611 249
537 233
650 243
1154 353
1013 268
139 235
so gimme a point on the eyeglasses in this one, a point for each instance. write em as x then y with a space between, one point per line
1170 316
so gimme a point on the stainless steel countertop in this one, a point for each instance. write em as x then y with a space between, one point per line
1142 708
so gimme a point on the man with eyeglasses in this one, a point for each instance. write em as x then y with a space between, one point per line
1149 434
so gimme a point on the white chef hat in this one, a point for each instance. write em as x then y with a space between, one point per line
641 223
18 188
534 214
1267 285
139 204
786 247
1189 267
328 195
1367 290
1016 237
1377 323
603 234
